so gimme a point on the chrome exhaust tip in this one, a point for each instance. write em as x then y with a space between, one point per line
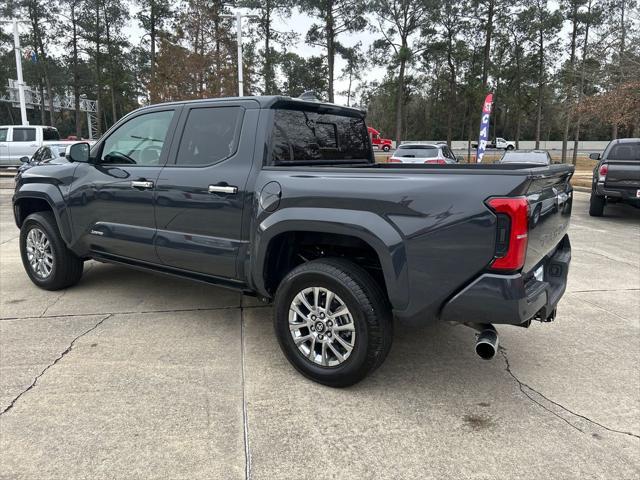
487 342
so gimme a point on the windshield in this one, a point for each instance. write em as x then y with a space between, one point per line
525 157
625 151
417 152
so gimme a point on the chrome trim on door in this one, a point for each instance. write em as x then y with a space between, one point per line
222 189
141 184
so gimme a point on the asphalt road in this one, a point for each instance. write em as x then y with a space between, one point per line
136 376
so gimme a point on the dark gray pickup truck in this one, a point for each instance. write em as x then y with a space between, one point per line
281 198
616 176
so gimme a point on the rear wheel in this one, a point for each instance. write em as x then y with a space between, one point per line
596 205
332 321
46 258
386 148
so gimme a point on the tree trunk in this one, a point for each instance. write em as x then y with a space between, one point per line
540 87
331 48
268 73
585 49
487 46
76 75
400 102
98 71
153 96
572 61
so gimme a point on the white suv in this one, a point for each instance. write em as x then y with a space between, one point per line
438 153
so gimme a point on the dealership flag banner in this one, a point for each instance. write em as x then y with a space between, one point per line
484 126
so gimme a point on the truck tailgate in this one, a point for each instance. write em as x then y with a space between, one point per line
623 175
550 198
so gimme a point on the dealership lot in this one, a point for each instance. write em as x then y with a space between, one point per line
134 375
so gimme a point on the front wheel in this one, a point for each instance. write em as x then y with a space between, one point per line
386 148
332 321
596 205
45 257
510 147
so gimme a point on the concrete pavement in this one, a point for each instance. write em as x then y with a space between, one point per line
134 375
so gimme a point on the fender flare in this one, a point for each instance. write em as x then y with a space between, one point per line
52 195
373 229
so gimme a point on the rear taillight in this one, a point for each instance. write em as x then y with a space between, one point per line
395 160
602 173
439 161
512 232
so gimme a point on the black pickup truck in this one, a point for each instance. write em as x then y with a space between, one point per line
616 176
282 198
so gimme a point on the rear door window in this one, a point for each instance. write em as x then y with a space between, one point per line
50 134
308 137
24 134
3 134
210 135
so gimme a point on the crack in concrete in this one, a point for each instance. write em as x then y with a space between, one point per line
606 290
245 413
10 240
56 300
595 252
525 389
178 310
60 357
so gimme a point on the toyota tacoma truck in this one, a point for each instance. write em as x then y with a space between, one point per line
616 176
281 198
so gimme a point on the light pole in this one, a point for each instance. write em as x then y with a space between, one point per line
16 45
238 16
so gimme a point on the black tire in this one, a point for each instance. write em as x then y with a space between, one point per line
510 147
66 266
368 307
386 148
596 205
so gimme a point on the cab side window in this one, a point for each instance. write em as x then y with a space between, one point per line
3 134
210 135
138 141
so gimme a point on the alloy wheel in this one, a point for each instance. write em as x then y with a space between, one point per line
322 326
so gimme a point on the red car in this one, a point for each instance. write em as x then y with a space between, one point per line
384 144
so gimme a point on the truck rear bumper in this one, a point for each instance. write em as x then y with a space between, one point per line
513 299
623 193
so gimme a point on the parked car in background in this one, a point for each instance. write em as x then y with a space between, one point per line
384 144
539 157
423 153
616 177
54 153
17 141
498 144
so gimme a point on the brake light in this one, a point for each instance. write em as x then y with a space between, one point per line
602 173
512 232
439 161
395 160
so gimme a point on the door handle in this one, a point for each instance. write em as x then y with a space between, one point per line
141 184
223 189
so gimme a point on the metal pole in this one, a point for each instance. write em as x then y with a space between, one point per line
239 34
16 43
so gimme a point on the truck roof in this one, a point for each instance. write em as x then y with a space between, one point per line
278 101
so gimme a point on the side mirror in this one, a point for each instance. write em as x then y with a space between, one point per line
24 159
594 156
78 152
